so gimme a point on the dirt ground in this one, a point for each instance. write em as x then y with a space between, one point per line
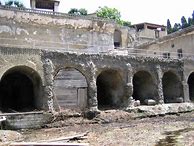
115 127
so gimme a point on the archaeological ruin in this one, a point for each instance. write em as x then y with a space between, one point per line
51 61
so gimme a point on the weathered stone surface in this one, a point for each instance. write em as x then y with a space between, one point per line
179 100
26 120
150 102
164 109
10 136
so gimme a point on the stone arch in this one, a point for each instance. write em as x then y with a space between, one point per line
172 87
144 86
117 38
190 82
20 90
110 89
70 87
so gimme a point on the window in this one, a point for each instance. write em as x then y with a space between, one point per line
166 55
180 53
157 34
117 38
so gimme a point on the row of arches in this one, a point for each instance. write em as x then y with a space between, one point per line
110 87
145 87
21 88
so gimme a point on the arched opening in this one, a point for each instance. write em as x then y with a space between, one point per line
172 87
110 89
191 86
117 38
143 86
70 87
20 90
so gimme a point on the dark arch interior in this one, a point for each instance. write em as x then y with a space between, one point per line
172 87
110 89
143 86
191 86
18 92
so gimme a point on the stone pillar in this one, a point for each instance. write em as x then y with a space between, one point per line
92 89
129 86
160 98
49 81
185 91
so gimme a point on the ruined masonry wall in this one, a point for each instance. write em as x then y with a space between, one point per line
31 30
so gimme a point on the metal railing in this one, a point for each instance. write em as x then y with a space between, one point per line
75 47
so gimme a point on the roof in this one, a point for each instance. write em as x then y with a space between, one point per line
148 24
168 37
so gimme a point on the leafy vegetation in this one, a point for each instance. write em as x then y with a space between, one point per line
75 11
112 13
15 3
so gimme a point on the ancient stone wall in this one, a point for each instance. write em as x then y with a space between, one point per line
21 28
118 65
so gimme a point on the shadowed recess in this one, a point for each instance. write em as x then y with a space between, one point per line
172 87
110 89
20 90
143 86
191 86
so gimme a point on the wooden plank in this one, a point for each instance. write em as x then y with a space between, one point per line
21 113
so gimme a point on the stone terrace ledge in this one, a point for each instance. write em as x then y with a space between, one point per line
57 14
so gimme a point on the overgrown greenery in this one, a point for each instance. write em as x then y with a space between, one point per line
104 12
75 11
177 26
15 3
112 13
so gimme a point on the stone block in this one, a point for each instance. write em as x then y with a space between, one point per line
179 100
150 102
136 103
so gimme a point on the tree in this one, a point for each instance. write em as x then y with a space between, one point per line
169 27
184 23
190 21
126 23
109 13
75 11
14 3
83 11
0 2
176 27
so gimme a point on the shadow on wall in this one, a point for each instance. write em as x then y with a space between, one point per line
20 90
110 89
